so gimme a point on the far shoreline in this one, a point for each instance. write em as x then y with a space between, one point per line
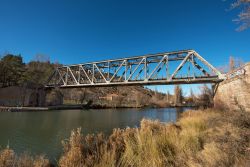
77 107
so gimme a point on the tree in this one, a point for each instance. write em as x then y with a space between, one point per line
231 64
235 63
168 96
38 72
178 95
41 58
244 16
206 96
157 94
192 98
12 70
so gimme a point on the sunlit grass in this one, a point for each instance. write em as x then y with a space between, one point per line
195 140
8 158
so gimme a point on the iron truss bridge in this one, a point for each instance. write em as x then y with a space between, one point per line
179 67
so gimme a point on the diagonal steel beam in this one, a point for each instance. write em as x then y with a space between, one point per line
117 70
181 65
51 76
85 73
72 75
143 59
100 72
140 72
195 64
61 77
221 76
159 69
157 66
124 72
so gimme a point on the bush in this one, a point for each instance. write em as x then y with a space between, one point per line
8 158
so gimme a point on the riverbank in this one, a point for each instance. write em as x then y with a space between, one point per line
199 138
59 107
79 106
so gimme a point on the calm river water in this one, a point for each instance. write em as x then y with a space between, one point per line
42 132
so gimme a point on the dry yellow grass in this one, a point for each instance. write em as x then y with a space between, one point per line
8 158
199 138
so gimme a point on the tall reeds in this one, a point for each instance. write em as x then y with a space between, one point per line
8 158
195 140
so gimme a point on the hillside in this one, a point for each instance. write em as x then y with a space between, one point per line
132 96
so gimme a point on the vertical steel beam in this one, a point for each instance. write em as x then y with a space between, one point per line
145 72
79 74
126 69
167 70
66 77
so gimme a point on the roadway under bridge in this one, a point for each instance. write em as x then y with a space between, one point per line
178 67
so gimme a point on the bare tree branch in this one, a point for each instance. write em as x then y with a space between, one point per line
244 16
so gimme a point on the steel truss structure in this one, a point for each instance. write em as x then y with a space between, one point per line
153 69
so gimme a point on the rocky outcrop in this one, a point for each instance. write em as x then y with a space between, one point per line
234 92
120 96
54 97
22 96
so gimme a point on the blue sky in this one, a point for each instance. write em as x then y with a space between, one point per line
77 31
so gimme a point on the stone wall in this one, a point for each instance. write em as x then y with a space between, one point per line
234 92
21 96
54 97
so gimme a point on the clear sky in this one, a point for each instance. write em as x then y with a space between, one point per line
78 31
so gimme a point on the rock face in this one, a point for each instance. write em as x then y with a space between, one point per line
22 96
234 92
54 98
116 96
127 96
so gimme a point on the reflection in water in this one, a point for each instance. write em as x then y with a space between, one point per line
42 132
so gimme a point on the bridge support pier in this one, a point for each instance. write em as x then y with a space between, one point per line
234 92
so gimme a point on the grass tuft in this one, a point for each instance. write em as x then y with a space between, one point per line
8 158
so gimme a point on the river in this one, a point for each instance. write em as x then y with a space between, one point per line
42 132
